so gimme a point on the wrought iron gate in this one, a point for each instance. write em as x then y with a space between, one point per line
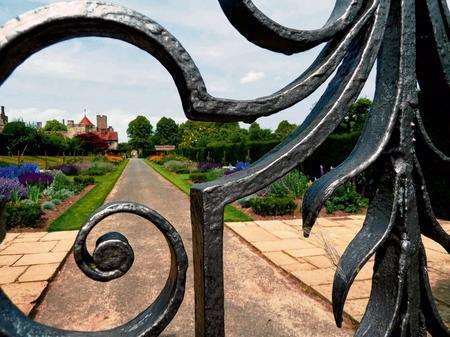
409 39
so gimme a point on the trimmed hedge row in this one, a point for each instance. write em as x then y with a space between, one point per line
228 153
331 153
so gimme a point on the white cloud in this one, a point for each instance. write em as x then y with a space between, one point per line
252 76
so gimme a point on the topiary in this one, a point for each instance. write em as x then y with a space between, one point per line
273 205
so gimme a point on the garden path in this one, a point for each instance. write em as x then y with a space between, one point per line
260 299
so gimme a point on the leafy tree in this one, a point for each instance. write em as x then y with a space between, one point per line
284 129
140 133
54 144
124 148
92 143
73 146
19 136
167 132
54 125
356 117
255 133
196 134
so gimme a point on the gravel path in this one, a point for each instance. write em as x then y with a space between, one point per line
260 300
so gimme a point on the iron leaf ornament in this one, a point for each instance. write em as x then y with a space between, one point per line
409 42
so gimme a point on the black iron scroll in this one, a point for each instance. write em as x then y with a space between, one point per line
409 39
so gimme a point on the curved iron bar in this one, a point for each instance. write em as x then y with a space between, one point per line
262 31
62 21
408 31
428 141
112 258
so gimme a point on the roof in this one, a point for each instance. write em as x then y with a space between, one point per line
111 136
86 122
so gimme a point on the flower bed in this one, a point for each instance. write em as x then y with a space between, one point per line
31 195
282 199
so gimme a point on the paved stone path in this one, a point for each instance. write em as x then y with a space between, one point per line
260 299
312 261
28 261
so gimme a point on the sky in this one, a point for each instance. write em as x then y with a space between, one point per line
110 77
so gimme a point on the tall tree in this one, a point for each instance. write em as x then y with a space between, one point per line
196 134
167 132
54 125
19 136
356 117
140 132
284 129
256 133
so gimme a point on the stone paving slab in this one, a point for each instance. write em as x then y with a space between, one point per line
313 261
28 261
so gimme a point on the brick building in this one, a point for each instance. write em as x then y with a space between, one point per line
102 130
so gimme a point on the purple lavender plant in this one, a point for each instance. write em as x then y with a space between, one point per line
206 166
67 169
10 186
35 179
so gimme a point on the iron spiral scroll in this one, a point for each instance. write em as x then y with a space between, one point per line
408 40
112 258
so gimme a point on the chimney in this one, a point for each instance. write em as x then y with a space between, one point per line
3 111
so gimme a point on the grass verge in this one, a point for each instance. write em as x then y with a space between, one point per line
78 213
181 181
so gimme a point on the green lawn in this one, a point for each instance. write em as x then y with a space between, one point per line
181 181
78 213
42 161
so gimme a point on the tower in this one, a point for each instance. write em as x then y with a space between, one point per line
102 123
3 118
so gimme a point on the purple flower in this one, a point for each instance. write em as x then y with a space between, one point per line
32 178
205 166
67 169
14 171
10 186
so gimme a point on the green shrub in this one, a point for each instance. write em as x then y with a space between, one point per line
99 168
62 194
61 181
34 193
56 201
84 180
246 202
273 205
23 214
214 174
176 166
48 205
93 171
201 177
173 156
346 199
198 177
294 183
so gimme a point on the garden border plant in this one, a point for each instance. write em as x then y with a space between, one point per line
76 215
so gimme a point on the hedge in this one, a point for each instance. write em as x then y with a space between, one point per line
331 153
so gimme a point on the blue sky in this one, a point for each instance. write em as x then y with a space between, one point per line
111 77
